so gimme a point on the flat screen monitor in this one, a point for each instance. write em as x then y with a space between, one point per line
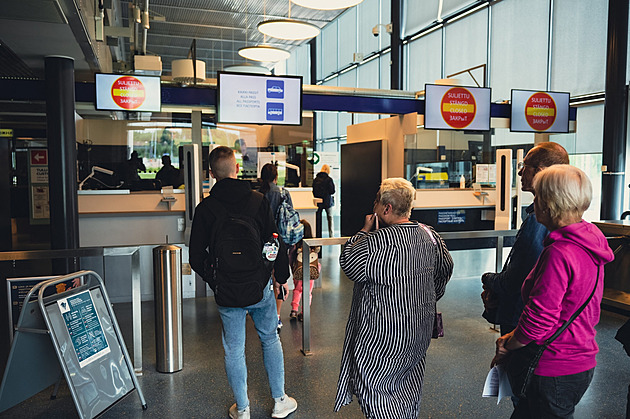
456 107
258 99
124 92
536 111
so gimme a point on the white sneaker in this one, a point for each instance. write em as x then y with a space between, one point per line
238 414
284 407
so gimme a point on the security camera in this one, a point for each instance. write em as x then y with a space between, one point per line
375 30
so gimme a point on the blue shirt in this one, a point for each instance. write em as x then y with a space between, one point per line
506 285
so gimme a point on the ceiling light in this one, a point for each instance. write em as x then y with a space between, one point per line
327 4
182 71
290 29
247 68
264 53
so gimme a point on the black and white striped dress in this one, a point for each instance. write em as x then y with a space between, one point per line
399 274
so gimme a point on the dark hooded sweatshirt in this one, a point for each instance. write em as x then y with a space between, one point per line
233 194
559 284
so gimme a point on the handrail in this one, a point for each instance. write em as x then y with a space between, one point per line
50 254
450 235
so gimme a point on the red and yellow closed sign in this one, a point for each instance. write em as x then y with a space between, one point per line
540 111
128 92
458 107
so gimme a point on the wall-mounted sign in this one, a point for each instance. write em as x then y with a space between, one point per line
534 111
457 108
38 184
6 133
256 99
117 92
451 216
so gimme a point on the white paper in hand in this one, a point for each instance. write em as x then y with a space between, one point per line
497 384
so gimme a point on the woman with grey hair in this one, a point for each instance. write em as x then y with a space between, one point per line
400 269
568 271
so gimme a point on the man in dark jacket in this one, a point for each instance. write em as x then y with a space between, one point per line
502 291
234 195
169 175
324 188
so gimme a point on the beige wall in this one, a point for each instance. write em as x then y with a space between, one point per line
393 130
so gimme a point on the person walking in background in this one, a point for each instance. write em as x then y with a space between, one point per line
399 271
324 188
228 199
502 291
269 187
296 260
568 271
169 175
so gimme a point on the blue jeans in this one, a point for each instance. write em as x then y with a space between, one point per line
553 397
265 318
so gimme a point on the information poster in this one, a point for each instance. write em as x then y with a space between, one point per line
451 217
84 327
255 99
456 108
38 185
534 111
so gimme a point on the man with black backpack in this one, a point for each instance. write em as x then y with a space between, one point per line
231 229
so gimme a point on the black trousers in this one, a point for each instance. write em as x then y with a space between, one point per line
553 397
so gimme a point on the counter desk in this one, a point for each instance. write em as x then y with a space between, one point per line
617 272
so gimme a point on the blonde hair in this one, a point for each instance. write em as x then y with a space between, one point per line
565 189
325 169
399 193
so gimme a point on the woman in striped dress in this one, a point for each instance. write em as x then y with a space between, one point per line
399 271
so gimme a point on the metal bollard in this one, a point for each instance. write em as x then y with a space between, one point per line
167 275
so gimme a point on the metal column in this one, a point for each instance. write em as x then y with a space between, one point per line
396 47
62 155
615 112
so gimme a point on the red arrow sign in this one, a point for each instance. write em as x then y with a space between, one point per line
39 157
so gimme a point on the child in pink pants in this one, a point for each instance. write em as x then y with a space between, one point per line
314 270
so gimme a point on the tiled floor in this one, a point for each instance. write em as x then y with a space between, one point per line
456 364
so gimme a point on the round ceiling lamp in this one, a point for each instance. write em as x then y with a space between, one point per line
182 71
264 53
247 68
326 4
291 29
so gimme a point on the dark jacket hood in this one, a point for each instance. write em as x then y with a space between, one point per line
322 175
231 190
588 237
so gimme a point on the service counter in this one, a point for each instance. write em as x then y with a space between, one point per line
121 219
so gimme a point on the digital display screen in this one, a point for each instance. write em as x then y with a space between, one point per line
457 107
124 92
257 99
537 111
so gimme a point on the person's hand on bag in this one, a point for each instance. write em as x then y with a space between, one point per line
490 301
501 350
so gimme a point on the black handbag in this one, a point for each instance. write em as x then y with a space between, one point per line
522 363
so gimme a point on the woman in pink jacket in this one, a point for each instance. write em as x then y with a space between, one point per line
564 276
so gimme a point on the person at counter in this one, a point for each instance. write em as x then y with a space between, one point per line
502 291
169 175
131 167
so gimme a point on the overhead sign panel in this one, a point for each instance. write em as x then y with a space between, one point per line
536 111
117 92
457 108
257 99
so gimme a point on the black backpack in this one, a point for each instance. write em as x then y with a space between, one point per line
239 270
320 189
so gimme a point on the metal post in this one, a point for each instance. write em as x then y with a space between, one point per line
306 307
62 165
615 112
167 272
